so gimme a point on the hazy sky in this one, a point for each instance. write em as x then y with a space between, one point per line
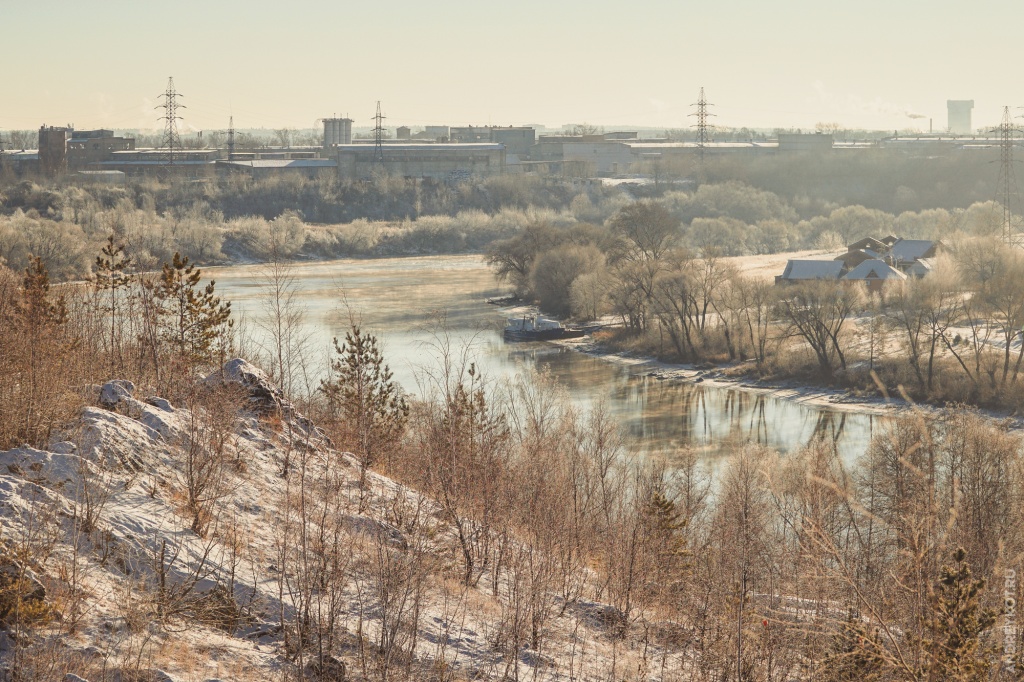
274 64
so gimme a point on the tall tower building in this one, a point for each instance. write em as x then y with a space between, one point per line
959 112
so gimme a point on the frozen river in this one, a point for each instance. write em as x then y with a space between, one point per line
403 300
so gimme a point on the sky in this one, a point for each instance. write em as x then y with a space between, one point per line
873 64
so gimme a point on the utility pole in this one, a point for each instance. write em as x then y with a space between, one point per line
703 129
170 118
1007 183
378 135
231 138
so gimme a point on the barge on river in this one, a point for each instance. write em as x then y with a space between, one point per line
537 328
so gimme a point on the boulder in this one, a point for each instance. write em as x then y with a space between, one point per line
263 397
113 392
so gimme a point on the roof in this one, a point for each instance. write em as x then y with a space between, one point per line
869 243
874 269
693 145
855 257
284 163
906 250
154 162
921 267
423 147
812 269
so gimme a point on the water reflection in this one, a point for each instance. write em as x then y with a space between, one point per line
399 299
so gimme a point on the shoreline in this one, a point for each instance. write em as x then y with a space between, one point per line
813 396
819 397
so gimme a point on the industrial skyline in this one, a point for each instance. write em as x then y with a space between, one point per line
787 64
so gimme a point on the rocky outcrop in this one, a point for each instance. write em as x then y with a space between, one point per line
262 396
265 399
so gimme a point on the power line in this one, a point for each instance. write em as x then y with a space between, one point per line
378 135
170 119
703 134
1007 182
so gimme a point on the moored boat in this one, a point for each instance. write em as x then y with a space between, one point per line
537 328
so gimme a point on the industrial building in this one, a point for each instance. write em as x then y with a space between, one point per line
191 163
337 131
53 149
264 168
91 146
959 115
518 140
436 161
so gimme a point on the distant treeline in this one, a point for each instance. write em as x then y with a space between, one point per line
809 203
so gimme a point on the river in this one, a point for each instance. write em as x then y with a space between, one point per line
416 305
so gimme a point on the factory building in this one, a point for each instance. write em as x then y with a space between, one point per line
91 146
959 115
441 162
518 140
190 163
259 169
53 150
806 143
467 134
337 131
437 133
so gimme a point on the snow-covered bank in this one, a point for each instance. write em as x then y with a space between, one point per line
100 523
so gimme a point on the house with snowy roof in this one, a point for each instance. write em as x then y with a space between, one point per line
877 274
905 252
806 270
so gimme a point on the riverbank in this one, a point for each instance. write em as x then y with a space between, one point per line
732 376
720 377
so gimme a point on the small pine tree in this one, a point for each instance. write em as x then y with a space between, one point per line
664 526
195 318
110 276
39 311
364 396
958 624
37 348
855 655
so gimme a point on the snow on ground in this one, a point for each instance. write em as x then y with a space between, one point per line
121 467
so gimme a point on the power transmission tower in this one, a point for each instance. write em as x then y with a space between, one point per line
170 118
703 134
231 138
1007 183
378 135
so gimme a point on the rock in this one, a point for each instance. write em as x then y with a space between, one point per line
64 447
35 590
263 396
160 403
41 466
265 399
70 677
113 392
144 675
328 668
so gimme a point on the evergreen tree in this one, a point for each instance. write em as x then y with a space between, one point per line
194 317
110 276
364 396
958 625
664 527
855 655
35 350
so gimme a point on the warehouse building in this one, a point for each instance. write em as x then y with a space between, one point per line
442 162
